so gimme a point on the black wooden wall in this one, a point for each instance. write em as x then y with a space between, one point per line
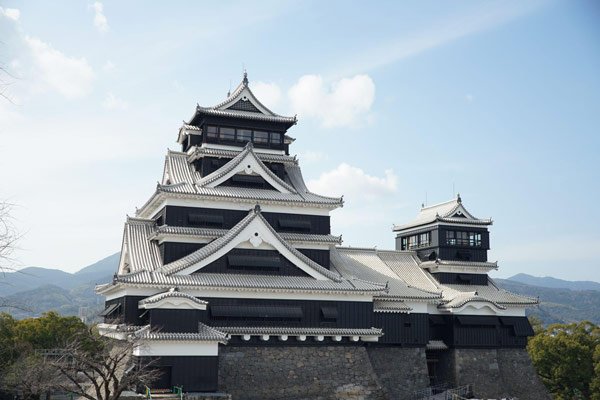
470 331
403 329
437 247
460 279
226 219
194 373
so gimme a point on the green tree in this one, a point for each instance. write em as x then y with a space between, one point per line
51 330
8 351
595 385
563 355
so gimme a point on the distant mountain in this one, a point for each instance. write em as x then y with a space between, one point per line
34 290
32 303
33 277
558 305
550 282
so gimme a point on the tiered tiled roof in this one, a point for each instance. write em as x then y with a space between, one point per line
456 296
180 179
210 233
450 211
205 334
274 331
260 283
138 252
366 264
199 152
254 110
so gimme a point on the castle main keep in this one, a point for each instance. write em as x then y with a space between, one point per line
232 280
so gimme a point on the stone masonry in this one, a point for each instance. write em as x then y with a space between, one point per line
370 373
294 373
496 373
401 371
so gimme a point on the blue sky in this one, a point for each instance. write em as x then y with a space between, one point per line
398 104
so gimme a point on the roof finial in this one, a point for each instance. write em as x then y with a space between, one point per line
245 80
229 91
257 208
458 199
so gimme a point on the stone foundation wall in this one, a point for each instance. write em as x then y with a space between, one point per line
401 371
516 368
294 373
370 373
497 373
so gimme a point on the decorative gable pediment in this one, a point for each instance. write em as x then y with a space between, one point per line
242 99
252 232
246 163
459 212
172 300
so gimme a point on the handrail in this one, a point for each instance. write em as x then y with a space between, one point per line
178 390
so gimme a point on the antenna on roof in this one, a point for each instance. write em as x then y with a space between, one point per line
245 80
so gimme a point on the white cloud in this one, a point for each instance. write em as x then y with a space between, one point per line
268 93
10 13
112 102
100 21
354 183
72 77
108 66
345 102
469 98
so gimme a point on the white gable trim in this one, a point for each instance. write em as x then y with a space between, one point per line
246 95
257 234
249 165
174 303
459 212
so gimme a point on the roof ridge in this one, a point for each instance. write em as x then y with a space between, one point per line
441 204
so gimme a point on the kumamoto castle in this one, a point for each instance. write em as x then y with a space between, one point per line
233 281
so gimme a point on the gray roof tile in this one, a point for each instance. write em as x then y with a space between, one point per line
299 331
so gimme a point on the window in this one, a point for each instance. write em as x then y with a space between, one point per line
275 138
450 239
244 135
413 242
226 133
261 137
212 131
461 238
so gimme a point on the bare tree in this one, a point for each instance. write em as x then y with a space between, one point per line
100 368
29 376
8 237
